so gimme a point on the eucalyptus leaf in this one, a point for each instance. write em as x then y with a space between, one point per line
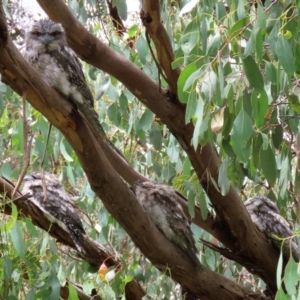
285 54
253 73
268 164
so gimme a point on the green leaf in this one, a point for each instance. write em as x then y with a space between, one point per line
223 181
191 106
12 220
227 147
294 101
275 12
191 204
297 57
122 9
64 152
265 141
70 175
7 267
43 294
93 73
199 114
238 27
53 282
291 277
253 73
260 107
146 120
268 165
280 295
114 114
279 270
17 240
285 174
277 136
72 292
172 150
214 44
31 295
220 10
209 85
271 72
261 17
190 37
132 30
285 54
155 137
257 144
187 167
142 49
183 91
241 133
6 170
203 204
188 7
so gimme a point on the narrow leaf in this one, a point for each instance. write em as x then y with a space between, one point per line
64 152
279 270
260 107
72 292
17 239
241 133
253 73
12 220
291 277
285 54
268 164
223 180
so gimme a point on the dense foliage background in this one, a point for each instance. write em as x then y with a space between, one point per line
204 97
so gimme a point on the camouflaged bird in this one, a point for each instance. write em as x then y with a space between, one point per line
49 196
159 203
265 215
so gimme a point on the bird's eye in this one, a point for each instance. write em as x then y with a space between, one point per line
36 33
55 33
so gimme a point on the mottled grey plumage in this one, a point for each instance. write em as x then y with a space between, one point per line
55 204
159 202
265 215
47 51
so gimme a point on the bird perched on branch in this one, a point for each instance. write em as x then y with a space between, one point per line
49 196
47 51
265 215
159 203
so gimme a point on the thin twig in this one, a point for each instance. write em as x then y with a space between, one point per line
27 147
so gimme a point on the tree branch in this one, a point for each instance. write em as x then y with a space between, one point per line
150 16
